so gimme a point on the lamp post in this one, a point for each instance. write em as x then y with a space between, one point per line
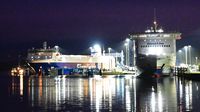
189 51
91 51
180 56
134 54
196 59
186 55
126 45
109 49
127 50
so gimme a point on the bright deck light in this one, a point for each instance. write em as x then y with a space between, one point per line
97 49
160 30
127 39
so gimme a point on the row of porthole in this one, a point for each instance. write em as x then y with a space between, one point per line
40 57
155 40
155 45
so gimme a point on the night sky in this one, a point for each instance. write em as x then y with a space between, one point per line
75 25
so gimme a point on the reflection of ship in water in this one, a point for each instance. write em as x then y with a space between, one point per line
94 94
155 50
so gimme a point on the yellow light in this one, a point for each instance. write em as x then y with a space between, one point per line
21 85
21 71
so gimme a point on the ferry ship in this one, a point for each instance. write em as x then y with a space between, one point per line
45 59
155 50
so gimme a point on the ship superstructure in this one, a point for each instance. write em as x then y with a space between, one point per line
44 54
155 49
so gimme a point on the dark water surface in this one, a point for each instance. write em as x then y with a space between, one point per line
98 94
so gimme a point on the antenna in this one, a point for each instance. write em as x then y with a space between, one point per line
154 14
154 22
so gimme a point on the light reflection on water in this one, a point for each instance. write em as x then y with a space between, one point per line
107 94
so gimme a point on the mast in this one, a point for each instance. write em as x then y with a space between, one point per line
155 25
